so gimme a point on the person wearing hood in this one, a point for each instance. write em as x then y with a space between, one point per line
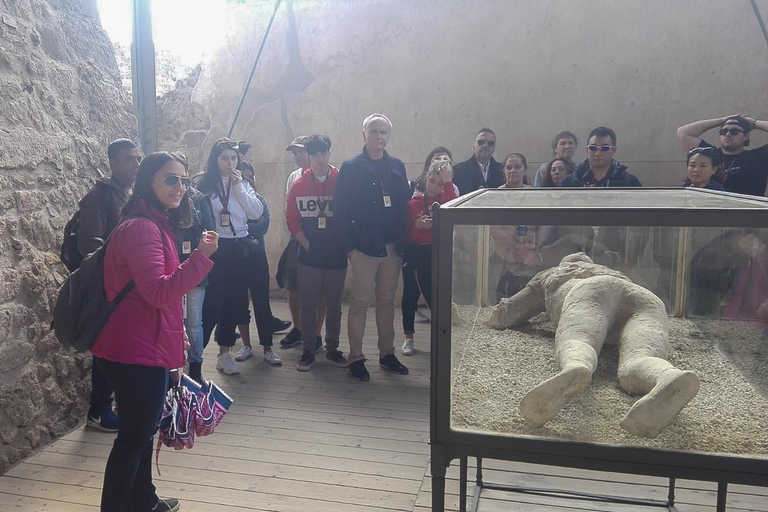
601 169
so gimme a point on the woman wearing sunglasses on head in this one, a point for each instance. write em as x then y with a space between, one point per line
234 202
145 337
703 167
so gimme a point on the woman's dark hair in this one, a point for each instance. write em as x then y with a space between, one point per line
569 167
421 180
714 157
210 183
180 217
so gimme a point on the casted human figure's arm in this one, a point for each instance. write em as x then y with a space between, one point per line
518 309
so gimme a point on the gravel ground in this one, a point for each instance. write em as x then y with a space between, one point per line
494 369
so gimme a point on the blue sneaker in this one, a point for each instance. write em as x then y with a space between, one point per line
106 421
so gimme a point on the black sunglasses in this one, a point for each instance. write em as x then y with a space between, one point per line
702 149
603 149
228 145
172 180
730 131
483 142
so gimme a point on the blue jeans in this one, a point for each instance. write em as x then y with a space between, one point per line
194 324
140 395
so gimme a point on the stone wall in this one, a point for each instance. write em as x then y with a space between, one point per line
60 105
442 69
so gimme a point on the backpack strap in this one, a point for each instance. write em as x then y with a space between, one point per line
124 292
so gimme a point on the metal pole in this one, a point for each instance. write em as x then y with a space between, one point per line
143 74
253 69
760 20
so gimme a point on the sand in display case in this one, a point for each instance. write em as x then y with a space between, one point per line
626 325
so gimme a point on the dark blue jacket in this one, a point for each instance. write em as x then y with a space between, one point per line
202 219
617 176
358 204
258 228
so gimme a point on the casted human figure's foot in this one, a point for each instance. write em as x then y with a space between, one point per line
543 402
659 408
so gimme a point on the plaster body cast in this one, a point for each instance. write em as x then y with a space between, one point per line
589 302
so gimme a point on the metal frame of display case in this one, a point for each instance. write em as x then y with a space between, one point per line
448 444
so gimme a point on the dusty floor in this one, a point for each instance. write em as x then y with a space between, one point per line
494 369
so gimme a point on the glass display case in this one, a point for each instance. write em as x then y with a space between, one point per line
609 329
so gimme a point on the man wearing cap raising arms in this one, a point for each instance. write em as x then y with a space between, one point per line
743 171
287 270
370 208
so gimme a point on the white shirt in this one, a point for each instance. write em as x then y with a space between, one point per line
291 178
243 205
484 170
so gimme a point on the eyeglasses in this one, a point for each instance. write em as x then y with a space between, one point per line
228 145
730 131
702 149
172 180
483 142
603 149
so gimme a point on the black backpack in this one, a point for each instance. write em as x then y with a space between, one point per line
70 256
82 308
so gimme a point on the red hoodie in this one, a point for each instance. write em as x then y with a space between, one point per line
147 326
419 206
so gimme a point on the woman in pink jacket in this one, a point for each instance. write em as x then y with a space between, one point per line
144 336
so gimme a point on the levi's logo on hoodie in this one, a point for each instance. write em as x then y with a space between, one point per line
311 206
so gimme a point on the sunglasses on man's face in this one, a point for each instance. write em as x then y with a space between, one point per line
172 180
730 131
489 143
602 149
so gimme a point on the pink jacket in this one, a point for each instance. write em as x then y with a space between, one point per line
147 326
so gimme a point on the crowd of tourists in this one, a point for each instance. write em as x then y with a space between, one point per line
193 247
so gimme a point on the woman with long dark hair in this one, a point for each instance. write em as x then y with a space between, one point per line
144 337
234 203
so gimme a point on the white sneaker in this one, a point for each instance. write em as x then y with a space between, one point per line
421 318
226 364
272 358
244 353
407 348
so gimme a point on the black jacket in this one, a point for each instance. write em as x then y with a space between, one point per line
99 214
202 219
617 177
358 204
468 177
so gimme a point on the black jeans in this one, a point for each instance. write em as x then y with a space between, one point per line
227 293
417 278
101 392
257 277
140 395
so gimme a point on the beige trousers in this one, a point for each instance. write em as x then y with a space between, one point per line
373 278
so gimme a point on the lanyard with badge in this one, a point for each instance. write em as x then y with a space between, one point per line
226 216
386 197
322 218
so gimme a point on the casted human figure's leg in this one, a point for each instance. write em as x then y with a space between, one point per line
644 369
587 313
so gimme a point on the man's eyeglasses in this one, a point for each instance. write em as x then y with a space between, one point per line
172 180
483 142
602 149
730 131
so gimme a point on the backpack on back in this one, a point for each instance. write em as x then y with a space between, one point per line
69 255
82 308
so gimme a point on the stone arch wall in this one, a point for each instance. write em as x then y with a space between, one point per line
60 105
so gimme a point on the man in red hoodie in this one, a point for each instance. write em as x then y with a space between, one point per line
322 264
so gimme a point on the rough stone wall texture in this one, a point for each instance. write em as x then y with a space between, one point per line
60 105
442 69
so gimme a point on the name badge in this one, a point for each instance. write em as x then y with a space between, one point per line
321 223
387 202
184 306
225 219
186 247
